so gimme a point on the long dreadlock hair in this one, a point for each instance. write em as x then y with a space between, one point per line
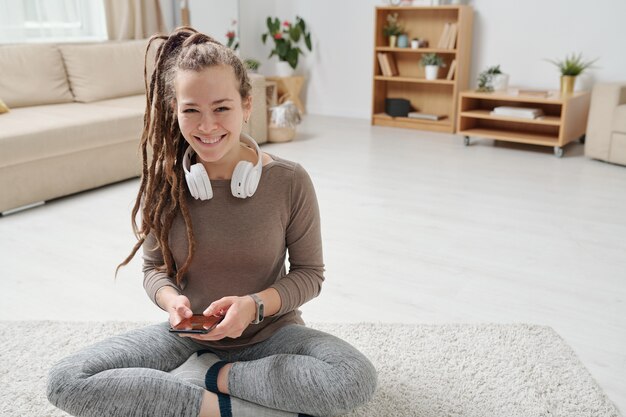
162 194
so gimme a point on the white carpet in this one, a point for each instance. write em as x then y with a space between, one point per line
424 370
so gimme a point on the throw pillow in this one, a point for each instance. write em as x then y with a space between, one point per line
3 107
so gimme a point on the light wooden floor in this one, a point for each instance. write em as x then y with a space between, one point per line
417 228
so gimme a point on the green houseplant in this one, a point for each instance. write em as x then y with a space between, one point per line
431 63
572 66
286 38
432 59
485 78
392 29
232 41
252 64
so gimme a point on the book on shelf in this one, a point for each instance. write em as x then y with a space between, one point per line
521 112
426 116
448 36
451 70
452 36
392 64
443 39
381 62
387 64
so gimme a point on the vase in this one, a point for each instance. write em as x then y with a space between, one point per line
431 72
500 82
392 41
567 84
283 69
403 41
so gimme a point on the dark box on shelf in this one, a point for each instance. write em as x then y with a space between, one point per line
397 107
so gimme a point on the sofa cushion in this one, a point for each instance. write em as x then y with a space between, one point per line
135 103
107 70
619 119
37 132
32 75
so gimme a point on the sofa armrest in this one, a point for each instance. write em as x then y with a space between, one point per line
605 97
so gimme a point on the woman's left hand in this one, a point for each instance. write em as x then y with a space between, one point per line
238 313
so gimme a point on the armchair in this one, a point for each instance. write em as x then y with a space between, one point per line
606 128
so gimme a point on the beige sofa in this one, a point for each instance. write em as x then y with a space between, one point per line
606 128
75 119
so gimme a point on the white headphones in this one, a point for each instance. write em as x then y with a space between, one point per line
243 183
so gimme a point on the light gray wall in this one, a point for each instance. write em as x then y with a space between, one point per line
213 17
518 35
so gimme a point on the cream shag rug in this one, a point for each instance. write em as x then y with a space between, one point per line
424 370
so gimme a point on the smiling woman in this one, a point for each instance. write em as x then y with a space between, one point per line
218 217
210 110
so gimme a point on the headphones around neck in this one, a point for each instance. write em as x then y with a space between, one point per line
244 181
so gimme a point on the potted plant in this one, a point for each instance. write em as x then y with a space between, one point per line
231 37
571 67
492 79
233 43
286 39
392 29
431 63
251 64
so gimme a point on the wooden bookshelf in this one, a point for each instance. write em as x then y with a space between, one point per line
564 119
426 96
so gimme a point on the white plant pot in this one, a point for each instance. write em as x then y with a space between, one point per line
431 72
500 82
283 69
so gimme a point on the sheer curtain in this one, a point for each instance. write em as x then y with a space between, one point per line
52 21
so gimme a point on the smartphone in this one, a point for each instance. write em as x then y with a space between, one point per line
197 323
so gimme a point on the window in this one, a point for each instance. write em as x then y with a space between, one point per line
52 21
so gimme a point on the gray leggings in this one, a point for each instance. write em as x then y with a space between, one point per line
298 369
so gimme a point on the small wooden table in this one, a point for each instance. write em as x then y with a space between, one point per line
289 89
564 119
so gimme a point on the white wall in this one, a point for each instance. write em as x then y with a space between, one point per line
213 17
339 69
518 35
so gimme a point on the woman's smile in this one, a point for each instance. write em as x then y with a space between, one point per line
211 140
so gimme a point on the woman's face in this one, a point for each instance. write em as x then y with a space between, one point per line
211 112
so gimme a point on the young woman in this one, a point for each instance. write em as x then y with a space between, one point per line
217 219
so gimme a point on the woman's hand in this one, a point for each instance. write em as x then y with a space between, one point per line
179 308
238 313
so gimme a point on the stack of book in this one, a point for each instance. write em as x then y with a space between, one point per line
521 112
426 116
387 64
447 40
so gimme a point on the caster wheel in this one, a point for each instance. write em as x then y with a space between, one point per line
558 151
466 141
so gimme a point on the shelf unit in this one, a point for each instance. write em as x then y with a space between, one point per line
564 120
426 96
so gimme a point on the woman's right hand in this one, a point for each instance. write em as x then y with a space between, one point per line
176 305
179 309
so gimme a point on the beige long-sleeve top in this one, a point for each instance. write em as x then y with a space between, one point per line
241 246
